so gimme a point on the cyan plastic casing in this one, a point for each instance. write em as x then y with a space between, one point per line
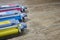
10 14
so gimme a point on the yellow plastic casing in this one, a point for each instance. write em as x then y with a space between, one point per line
9 31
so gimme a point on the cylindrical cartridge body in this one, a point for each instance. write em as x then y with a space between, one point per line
9 31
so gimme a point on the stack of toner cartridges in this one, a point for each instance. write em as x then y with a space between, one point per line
12 18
